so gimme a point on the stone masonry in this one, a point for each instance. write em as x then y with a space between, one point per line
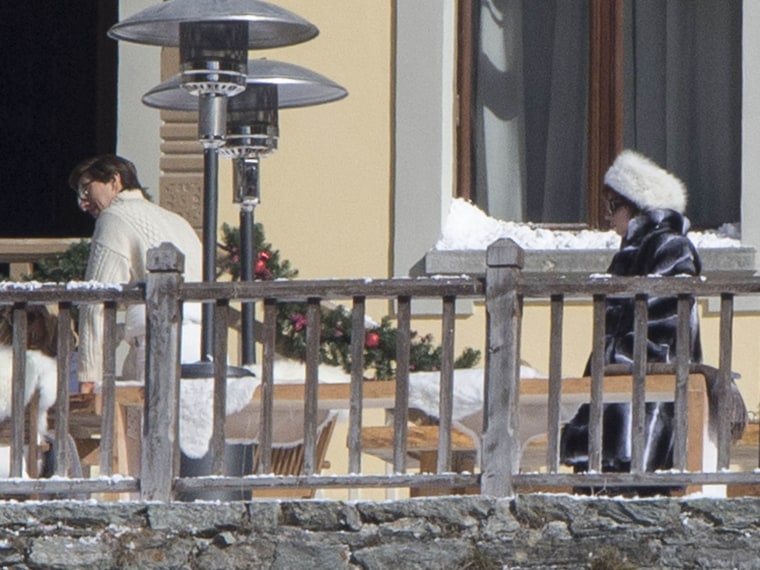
469 532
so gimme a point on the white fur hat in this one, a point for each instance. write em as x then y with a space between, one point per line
644 183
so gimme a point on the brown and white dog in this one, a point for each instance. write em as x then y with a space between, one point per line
41 375
41 363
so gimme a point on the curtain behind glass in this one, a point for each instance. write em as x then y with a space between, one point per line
498 122
530 110
684 107
682 104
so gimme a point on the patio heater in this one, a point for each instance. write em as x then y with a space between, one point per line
252 132
213 37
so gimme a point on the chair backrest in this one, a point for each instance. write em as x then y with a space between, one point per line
289 461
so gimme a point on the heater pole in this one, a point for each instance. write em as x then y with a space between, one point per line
247 194
247 309
210 205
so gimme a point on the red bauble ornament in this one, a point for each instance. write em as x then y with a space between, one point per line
261 271
299 321
372 340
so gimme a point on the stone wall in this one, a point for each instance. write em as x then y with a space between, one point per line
473 532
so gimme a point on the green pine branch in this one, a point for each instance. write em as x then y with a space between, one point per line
70 265
335 323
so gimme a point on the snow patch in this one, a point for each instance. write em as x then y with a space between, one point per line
469 228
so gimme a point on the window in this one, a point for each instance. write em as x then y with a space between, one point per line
550 91
57 105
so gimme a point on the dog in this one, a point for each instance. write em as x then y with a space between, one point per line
41 363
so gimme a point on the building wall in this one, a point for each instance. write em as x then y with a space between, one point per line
326 192
137 125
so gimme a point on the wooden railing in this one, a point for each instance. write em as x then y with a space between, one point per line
504 290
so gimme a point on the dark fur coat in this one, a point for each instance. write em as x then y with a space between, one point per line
656 244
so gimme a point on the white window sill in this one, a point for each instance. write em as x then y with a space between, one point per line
730 260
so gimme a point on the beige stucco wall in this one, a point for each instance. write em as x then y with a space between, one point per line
326 192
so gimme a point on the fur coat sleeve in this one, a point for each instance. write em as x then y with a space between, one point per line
656 244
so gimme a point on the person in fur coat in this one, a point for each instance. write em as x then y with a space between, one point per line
645 205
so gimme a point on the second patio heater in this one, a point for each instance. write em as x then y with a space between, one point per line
252 132
213 37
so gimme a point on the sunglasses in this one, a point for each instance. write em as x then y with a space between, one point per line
614 204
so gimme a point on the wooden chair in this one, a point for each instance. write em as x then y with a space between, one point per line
240 427
84 429
289 461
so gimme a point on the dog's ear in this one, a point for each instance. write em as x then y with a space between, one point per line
42 331
51 341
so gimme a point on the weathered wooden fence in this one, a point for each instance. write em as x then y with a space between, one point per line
504 289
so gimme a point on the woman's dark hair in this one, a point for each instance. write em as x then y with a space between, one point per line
103 168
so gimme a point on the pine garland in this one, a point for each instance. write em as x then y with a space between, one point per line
336 334
267 265
63 267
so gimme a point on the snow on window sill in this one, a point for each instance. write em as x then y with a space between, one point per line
468 231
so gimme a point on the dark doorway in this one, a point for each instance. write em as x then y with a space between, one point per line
58 78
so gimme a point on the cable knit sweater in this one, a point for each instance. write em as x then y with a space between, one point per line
124 232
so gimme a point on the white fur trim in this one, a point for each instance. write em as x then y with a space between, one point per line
644 183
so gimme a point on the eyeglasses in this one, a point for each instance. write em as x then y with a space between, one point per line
83 192
614 204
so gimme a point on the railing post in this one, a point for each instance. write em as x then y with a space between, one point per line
159 455
501 444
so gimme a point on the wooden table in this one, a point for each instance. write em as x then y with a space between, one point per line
533 397
422 444
336 396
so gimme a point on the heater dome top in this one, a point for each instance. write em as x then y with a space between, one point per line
268 25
